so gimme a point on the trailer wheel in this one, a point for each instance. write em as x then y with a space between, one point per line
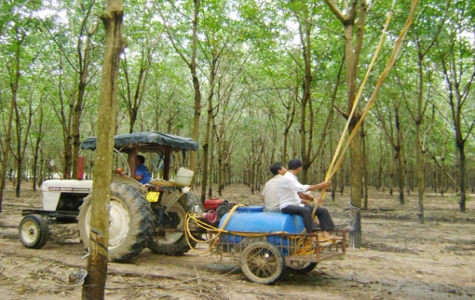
130 222
302 266
262 262
33 231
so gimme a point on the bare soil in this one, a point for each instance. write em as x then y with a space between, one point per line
400 258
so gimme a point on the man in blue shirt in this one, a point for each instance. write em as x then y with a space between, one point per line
142 174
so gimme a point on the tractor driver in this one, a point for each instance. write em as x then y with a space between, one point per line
142 174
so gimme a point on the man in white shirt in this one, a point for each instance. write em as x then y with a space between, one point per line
269 193
291 191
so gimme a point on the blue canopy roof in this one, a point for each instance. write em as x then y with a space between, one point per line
146 142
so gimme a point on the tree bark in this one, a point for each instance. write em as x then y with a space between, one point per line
208 132
353 46
6 151
95 281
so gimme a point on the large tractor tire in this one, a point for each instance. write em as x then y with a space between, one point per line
130 222
172 241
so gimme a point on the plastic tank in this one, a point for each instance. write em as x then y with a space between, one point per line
253 219
184 177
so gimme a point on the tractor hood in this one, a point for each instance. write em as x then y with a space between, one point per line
146 142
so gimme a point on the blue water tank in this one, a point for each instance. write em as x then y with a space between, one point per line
253 219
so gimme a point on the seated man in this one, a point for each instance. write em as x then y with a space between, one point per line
293 196
269 193
142 174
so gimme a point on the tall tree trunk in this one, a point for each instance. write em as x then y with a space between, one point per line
83 68
15 82
94 285
6 151
211 161
196 83
420 173
399 157
305 29
365 168
36 157
463 178
353 45
208 132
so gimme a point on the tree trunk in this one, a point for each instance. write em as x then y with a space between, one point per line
15 82
365 168
83 69
196 83
36 157
6 151
306 112
463 179
208 133
94 285
352 56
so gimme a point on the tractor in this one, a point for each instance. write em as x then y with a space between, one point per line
141 216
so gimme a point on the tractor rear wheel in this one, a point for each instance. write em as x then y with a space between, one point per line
130 222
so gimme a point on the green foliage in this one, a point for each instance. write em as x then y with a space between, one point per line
257 52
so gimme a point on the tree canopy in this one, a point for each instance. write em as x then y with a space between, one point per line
254 82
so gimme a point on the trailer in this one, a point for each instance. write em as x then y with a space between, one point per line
268 243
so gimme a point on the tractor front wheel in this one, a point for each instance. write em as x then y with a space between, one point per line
33 231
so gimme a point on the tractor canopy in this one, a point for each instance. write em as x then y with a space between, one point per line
146 142
152 142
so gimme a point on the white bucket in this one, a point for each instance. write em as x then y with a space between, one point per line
184 177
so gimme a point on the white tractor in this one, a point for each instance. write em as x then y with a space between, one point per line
151 215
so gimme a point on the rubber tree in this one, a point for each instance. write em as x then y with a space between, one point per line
24 75
6 149
74 58
392 124
191 59
353 19
95 281
221 49
136 67
425 34
312 111
456 53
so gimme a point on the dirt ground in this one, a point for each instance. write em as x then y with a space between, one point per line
400 259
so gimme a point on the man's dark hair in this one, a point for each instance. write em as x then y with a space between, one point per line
275 167
294 164
141 159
